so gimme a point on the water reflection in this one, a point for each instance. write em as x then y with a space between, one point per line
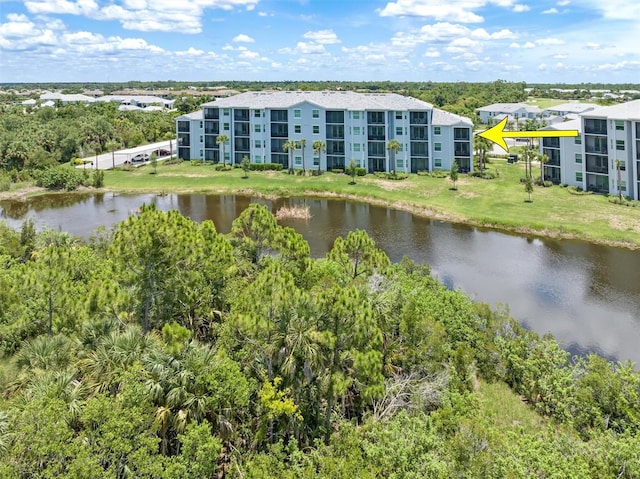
587 296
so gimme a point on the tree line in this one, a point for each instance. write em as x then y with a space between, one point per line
165 349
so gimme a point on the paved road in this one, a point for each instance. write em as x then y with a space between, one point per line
107 161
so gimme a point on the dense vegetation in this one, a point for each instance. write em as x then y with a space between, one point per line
37 139
164 349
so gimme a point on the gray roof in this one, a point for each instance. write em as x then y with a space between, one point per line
509 107
73 97
194 115
444 118
339 100
575 124
573 107
136 99
623 111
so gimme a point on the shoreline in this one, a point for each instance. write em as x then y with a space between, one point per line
23 194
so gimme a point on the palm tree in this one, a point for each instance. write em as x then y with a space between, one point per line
543 159
482 146
290 146
221 140
318 147
303 143
393 146
618 165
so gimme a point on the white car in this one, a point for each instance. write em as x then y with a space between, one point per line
140 158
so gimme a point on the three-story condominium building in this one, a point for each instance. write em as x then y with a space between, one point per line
351 126
605 157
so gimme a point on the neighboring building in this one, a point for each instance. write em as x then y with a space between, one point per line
607 135
65 99
142 101
566 159
190 136
352 125
517 111
572 108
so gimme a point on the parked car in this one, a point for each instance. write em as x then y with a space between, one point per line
140 158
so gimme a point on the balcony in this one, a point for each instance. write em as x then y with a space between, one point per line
211 128
591 168
211 114
418 118
462 149
595 127
601 150
183 126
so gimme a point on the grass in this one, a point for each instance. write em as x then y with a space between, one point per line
498 203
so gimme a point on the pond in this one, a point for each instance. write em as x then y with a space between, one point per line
586 295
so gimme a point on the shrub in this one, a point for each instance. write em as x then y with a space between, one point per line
337 170
361 171
299 172
316 172
576 190
265 166
221 167
60 177
5 182
196 162
393 176
545 183
172 161
489 175
98 179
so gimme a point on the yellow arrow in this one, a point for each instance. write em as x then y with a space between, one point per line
497 134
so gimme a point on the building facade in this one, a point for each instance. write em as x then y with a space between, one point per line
190 135
605 158
352 126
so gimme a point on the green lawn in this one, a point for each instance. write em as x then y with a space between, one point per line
544 102
498 203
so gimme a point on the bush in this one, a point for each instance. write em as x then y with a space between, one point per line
98 179
361 171
337 170
265 166
489 175
545 183
393 176
60 177
5 182
298 172
316 172
196 162
221 167
172 161
576 190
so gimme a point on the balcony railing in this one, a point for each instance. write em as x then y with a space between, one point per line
597 169
597 151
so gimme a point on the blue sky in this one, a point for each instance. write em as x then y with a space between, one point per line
555 41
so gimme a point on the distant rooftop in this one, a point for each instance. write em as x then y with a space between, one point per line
624 111
444 118
340 100
509 108
573 107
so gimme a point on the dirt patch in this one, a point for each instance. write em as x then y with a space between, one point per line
22 193
623 224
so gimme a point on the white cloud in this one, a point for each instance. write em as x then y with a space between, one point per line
462 45
616 9
248 55
529 45
519 8
549 41
305 48
432 53
458 11
563 3
142 15
560 56
322 36
550 11
192 52
242 38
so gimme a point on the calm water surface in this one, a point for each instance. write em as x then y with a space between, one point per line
587 296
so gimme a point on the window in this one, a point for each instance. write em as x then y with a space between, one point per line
578 157
437 146
225 126
436 130
398 131
623 185
201 139
315 113
578 140
400 147
316 160
355 147
356 130
257 128
258 143
400 163
256 113
316 129
257 158
623 165
355 115
579 176
297 129
225 111
297 113
619 144
437 162
298 160
201 125
398 115
619 125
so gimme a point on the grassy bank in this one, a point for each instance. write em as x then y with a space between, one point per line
498 203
